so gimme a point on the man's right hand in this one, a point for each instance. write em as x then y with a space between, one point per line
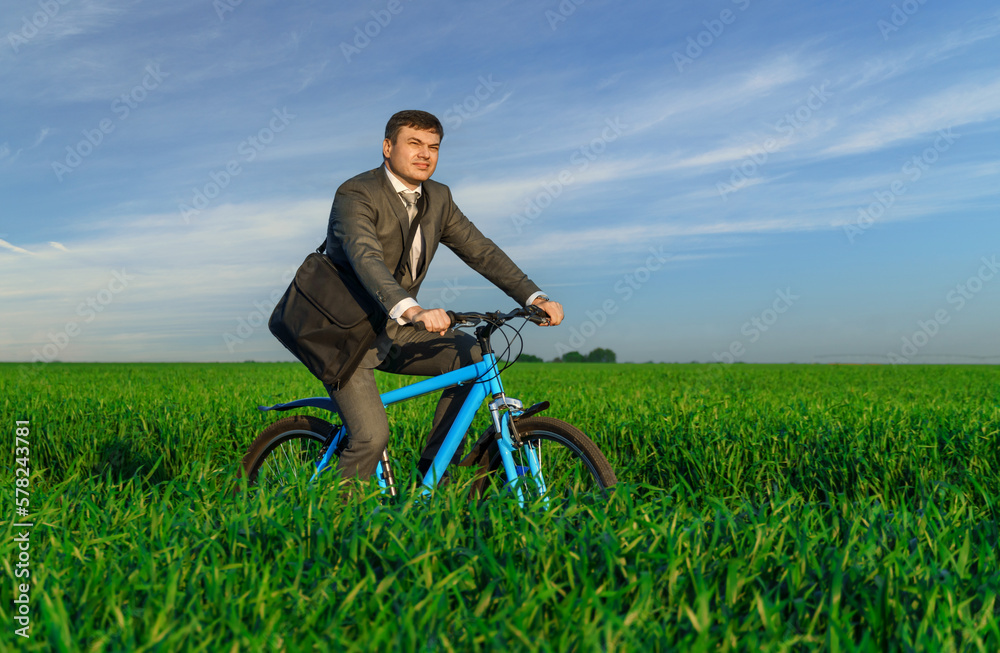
434 320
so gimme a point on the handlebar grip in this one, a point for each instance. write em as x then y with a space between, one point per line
452 320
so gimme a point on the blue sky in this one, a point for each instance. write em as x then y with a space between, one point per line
725 181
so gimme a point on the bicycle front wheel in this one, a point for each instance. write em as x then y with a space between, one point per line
286 452
572 468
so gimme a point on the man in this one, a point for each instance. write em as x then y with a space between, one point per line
369 224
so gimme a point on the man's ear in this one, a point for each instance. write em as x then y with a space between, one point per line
386 147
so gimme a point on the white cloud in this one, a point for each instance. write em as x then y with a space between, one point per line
956 106
704 101
183 281
14 248
68 20
42 135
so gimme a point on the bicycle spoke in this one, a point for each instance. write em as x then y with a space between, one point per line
284 452
287 463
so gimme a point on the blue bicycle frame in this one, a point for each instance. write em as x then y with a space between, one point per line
485 375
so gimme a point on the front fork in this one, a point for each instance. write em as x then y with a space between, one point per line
504 410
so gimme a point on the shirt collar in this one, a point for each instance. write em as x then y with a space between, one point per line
398 185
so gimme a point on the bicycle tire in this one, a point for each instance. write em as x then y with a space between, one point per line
285 451
573 468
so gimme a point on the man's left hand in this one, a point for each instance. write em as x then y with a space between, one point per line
553 309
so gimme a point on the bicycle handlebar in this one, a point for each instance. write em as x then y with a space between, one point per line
530 313
496 318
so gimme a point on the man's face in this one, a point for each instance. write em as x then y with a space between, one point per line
414 155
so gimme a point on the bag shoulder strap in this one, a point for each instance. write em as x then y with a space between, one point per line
406 247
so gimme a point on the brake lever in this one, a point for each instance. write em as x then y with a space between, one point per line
465 322
537 315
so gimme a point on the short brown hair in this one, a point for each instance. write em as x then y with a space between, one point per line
415 119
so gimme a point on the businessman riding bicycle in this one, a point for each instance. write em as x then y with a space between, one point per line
370 224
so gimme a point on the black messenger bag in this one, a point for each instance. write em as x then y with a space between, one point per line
327 319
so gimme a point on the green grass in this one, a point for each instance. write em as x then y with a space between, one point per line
772 508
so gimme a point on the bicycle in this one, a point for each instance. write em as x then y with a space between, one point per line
533 456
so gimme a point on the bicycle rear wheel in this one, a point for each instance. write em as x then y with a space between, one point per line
286 452
572 468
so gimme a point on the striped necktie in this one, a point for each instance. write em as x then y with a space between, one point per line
410 199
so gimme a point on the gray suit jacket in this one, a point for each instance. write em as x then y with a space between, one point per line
368 229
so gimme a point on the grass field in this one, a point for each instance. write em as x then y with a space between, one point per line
771 508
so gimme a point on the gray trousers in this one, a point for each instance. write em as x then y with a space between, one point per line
412 352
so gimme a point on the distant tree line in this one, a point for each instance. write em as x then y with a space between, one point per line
599 355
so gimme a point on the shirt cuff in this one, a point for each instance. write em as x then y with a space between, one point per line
535 296
397 311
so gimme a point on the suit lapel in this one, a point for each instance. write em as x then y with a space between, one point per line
399 210
395 203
